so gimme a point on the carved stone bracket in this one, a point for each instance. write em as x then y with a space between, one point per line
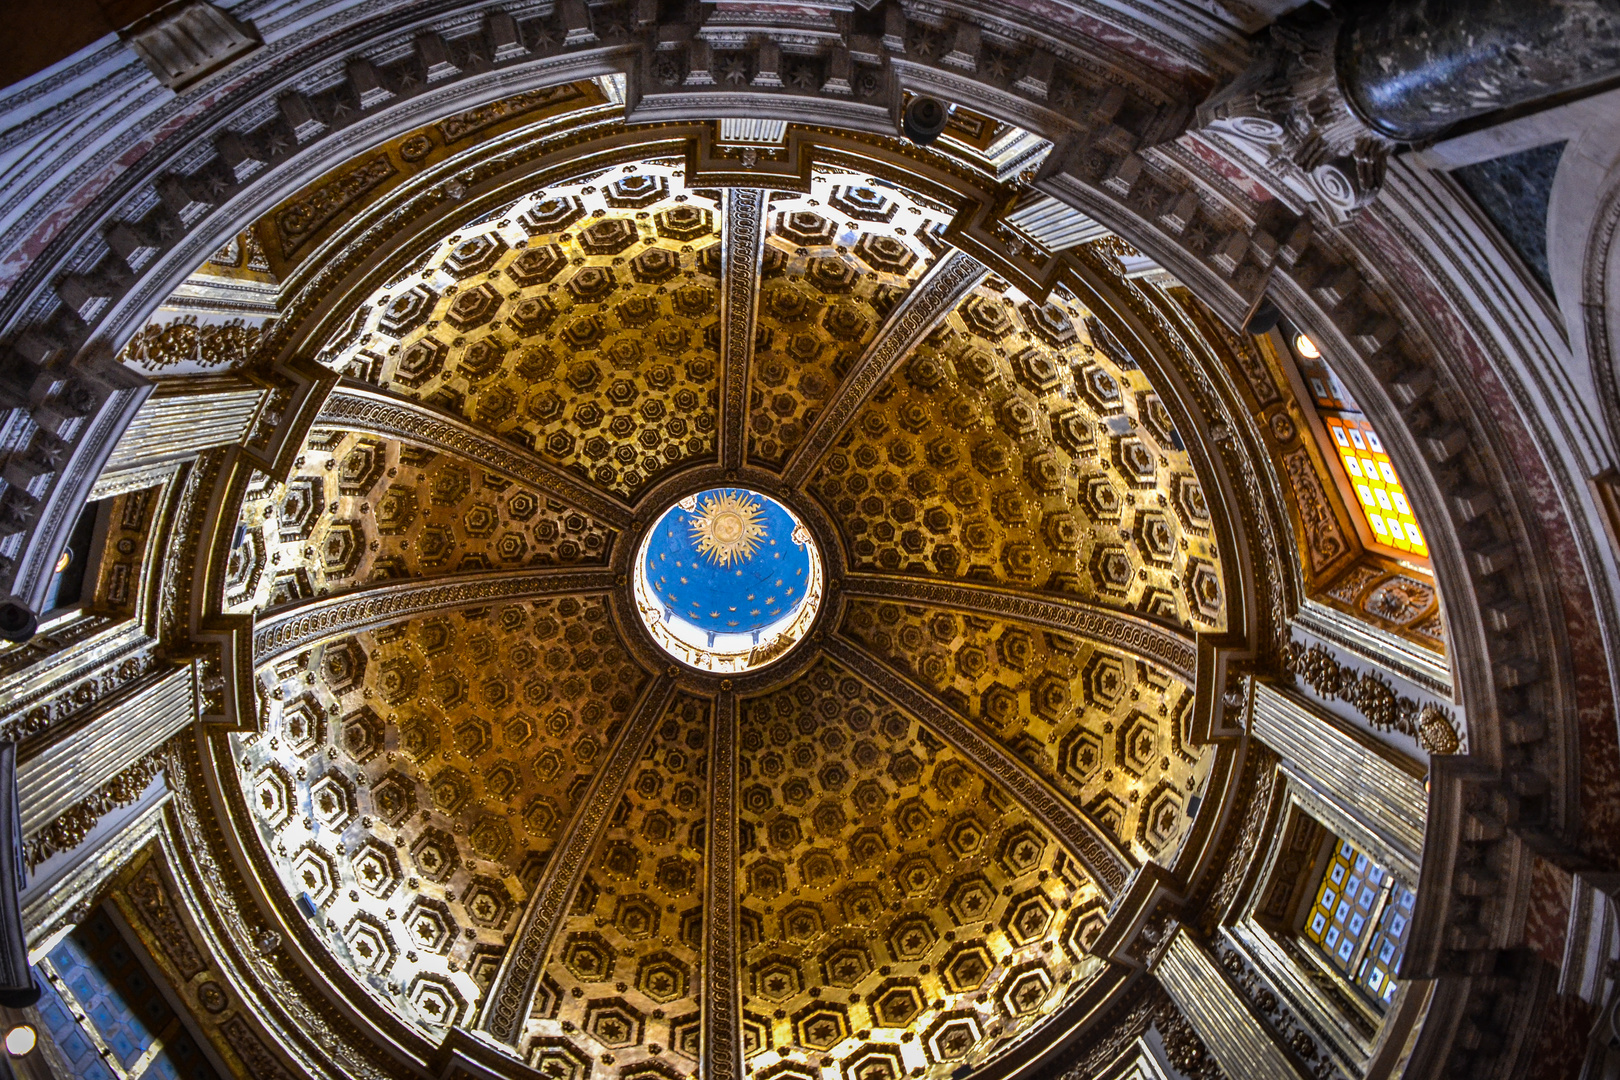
939 290
1163 646
302 625
187 42
1288 115
352 406
1108 866
722 1048
510 996
739 307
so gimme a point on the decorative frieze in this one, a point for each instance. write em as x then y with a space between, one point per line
87 771
152 905
1372 695
187 342
70 828
1275 1014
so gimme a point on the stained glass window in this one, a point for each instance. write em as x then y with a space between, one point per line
1360 921
1377 487
106 1016
1360 452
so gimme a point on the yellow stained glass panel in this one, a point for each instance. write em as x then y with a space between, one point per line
1378 488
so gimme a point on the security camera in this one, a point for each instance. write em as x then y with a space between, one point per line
924 120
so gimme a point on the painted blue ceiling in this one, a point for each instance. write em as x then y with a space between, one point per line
738 598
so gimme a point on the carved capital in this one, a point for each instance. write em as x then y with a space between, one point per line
1286 115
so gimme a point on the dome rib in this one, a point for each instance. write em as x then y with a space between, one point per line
972 466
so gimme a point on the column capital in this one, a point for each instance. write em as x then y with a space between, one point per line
1288 115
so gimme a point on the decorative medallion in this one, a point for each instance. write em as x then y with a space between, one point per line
728 580
726 528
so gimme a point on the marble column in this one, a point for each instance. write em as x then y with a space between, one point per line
1325 101
1419 67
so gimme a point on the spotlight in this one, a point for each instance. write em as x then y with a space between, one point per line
1262 317
924 120
1306 347
21 1040
17 621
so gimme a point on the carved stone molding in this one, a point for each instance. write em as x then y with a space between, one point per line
512 993
69 829
1222 1018
739 307
1388 801
187 42
945 284
352 406
1108 866
61 900
79 774
302 625
1168 647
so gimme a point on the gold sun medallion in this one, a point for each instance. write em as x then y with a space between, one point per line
728 529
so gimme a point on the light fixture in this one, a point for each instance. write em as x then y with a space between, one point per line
64 560
1306 347
21 1040
924 120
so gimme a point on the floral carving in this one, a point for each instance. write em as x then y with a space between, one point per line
1324 540
296 222
1274 1014
1371 695
225 345
151 898
70 829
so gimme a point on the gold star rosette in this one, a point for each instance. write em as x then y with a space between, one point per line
728 529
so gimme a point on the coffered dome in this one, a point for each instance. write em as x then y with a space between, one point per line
498 812
594 540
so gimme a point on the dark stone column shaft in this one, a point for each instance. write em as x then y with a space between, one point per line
1419 67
